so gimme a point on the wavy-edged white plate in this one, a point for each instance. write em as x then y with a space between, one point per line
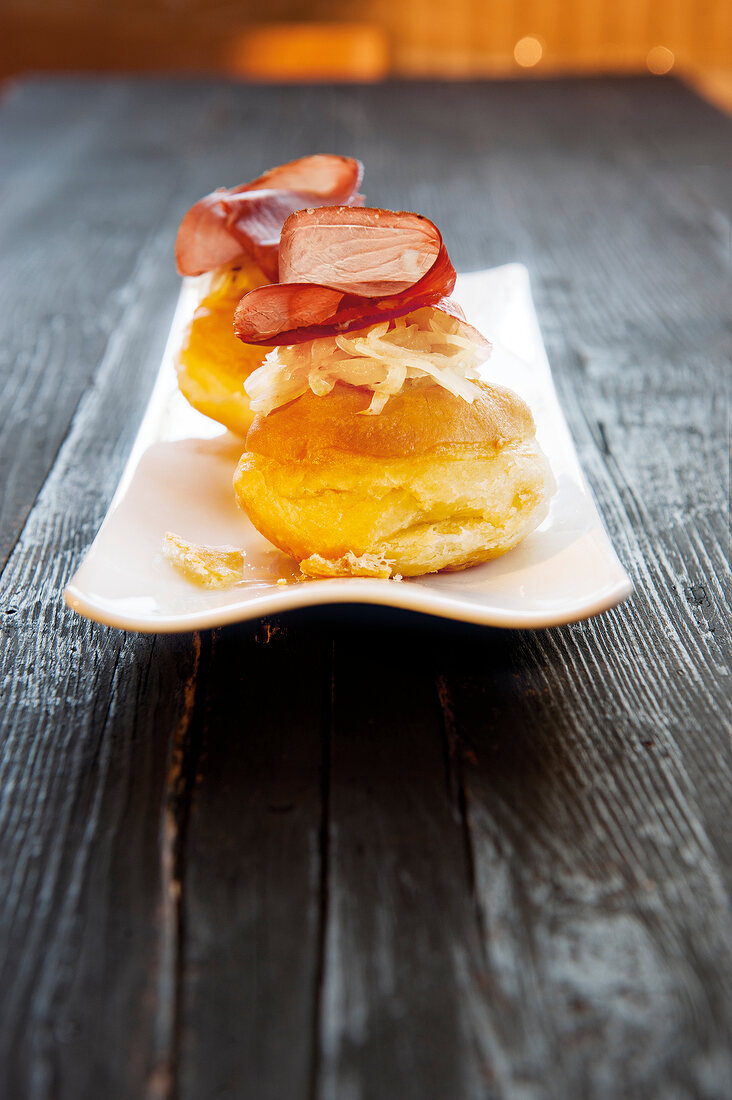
178 478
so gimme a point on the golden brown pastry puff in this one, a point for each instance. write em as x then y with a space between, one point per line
212 364
433 482
377 450
232 238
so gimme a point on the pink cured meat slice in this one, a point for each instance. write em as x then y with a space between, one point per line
344 268
247 220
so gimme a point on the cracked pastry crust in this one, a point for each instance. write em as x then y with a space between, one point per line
431 483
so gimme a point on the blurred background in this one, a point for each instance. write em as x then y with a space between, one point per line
374 39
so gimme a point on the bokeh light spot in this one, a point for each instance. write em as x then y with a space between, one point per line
528 52
660 60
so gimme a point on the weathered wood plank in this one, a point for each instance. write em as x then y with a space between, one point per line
401 943
69 252
598 757
252 873
528 896
603 886
606 917
55 1003
88 922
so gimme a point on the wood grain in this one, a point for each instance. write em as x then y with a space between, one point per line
88 925
354 853
401 942
250 953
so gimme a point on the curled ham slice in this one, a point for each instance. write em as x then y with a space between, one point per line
343 268
247 220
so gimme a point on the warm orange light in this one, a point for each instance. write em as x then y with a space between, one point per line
310 51
528 52
660 60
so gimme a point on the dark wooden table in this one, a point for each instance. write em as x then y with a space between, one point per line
354 854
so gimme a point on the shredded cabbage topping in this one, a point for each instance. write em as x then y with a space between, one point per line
424 346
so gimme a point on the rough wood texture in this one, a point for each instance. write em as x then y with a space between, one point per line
251 933
353 853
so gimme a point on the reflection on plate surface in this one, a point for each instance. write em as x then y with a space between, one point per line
178 478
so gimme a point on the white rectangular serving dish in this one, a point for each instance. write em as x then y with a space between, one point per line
178 478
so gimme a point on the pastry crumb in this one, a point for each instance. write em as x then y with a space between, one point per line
350 565
208 566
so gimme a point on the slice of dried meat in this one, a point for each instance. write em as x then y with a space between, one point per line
345 267
247 220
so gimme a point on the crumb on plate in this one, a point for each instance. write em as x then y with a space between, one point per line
208 566
350 565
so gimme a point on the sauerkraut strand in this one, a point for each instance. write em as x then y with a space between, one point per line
425 346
